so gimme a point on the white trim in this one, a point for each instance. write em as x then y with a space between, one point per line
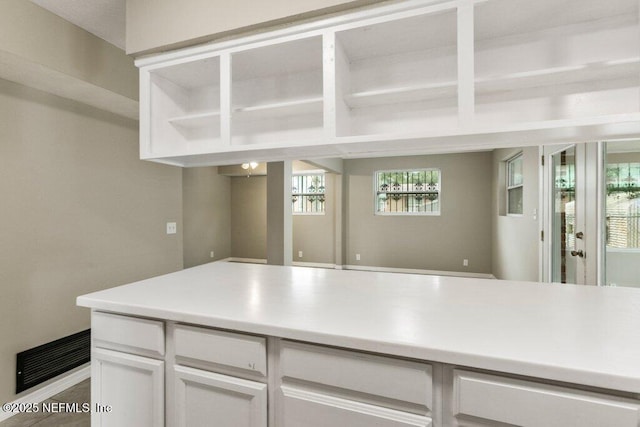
51 389
419 271
314 264
622 250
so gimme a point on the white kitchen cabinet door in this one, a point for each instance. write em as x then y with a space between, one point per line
128 388
209 399
311 409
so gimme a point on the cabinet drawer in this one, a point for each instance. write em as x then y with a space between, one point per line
129 334
526 403
310 409
386 377
220 349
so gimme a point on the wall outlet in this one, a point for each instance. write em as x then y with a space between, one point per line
299 254
465 263
172 228
211 254
357 257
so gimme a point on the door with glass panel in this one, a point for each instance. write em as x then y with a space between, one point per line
570 234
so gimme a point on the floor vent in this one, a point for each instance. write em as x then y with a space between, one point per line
46 361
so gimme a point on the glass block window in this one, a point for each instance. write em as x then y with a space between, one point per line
308 194
515 186
408 192
623 205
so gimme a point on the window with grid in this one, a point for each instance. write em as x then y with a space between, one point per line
515 186
623 205
408 192
308 194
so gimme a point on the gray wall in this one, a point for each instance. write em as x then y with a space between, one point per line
249 217
206 200
463 230
156 24
40 37
516 239
80 212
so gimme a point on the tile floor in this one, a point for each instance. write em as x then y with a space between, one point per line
80 393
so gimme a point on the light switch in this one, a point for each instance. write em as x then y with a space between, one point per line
172 228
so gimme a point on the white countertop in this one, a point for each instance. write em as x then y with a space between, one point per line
578 334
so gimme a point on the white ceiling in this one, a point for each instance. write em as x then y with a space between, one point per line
104 18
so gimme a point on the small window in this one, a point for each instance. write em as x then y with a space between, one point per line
623 205
308 194
408 192
515 186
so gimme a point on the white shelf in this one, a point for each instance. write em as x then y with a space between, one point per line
617 69
281 109
404 94
195 120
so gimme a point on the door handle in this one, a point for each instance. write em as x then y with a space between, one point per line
579 253
579 235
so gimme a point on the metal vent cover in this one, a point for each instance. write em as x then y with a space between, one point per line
41 363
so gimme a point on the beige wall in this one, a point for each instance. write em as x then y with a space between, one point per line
516 239
206 200
154 25
79 213
314 234
462 231
249 217
37 35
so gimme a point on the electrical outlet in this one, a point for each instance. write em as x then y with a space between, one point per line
211 254
299 254
465 263
172 228
357 257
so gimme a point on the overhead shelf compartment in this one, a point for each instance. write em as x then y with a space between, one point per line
551 59
185 108
277 93
397 74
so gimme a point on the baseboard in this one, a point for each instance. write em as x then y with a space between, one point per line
295 263
54 387
247 260
314 264
419 271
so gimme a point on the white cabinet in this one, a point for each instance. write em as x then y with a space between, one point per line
398 75
276 93
146 374
550 59
127 386
325 386
182 116
129 390
207 398
218 378
482 400
311 409
405 77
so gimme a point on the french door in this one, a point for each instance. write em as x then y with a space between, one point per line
572 213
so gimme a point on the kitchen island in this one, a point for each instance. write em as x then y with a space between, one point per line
256 345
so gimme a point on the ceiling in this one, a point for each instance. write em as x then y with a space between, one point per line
104 18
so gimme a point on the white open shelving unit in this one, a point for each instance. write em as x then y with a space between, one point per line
276 93
412 77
